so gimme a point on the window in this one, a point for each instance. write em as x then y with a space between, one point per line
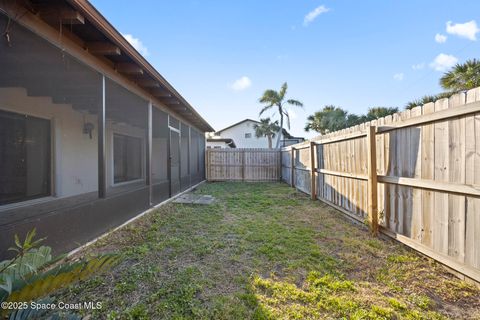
248 135
24 157
127 158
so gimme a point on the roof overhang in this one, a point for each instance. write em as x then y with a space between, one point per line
104 41
237 123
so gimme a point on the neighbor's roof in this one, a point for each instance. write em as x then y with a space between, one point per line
100 38
287 135
228 141
236 124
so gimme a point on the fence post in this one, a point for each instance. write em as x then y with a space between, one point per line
313 170
372 180
292 165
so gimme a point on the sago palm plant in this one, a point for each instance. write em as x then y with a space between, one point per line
33 273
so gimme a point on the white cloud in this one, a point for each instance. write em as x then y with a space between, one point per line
398 76
312 15
443 61
241 83
440 38
467 30
418 66
137 44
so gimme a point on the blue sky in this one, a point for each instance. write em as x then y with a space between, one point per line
221 55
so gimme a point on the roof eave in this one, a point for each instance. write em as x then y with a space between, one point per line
236 124
100 22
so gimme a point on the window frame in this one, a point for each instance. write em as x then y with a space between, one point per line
142 158
248 135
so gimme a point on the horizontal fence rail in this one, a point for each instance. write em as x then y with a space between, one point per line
414 176
242 164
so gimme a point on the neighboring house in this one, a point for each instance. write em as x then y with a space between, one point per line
289 142
220 143
288 139
91 135
243 133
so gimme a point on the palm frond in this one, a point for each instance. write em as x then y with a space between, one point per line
42 284
283 91
294 102
269 97
463 76
29 263
264 109
266 128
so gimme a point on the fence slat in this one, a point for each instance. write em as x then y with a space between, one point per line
292 165
427 172
313 168
242 164
372 180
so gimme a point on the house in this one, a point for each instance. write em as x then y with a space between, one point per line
288 139
91 135
220 143
243 133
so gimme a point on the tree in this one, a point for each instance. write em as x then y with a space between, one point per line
463 76
329 119
427 99
353 120
332 118
379 112
268 129
276 99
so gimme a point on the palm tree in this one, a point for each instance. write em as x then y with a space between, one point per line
463 76
379 112
330 119
276 99
266 129
427 99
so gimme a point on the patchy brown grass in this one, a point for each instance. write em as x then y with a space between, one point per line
265 251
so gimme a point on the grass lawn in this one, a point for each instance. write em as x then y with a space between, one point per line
266 251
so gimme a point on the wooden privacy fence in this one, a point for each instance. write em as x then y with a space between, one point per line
414 176
242 164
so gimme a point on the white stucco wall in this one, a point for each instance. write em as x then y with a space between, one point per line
237 133
75 155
